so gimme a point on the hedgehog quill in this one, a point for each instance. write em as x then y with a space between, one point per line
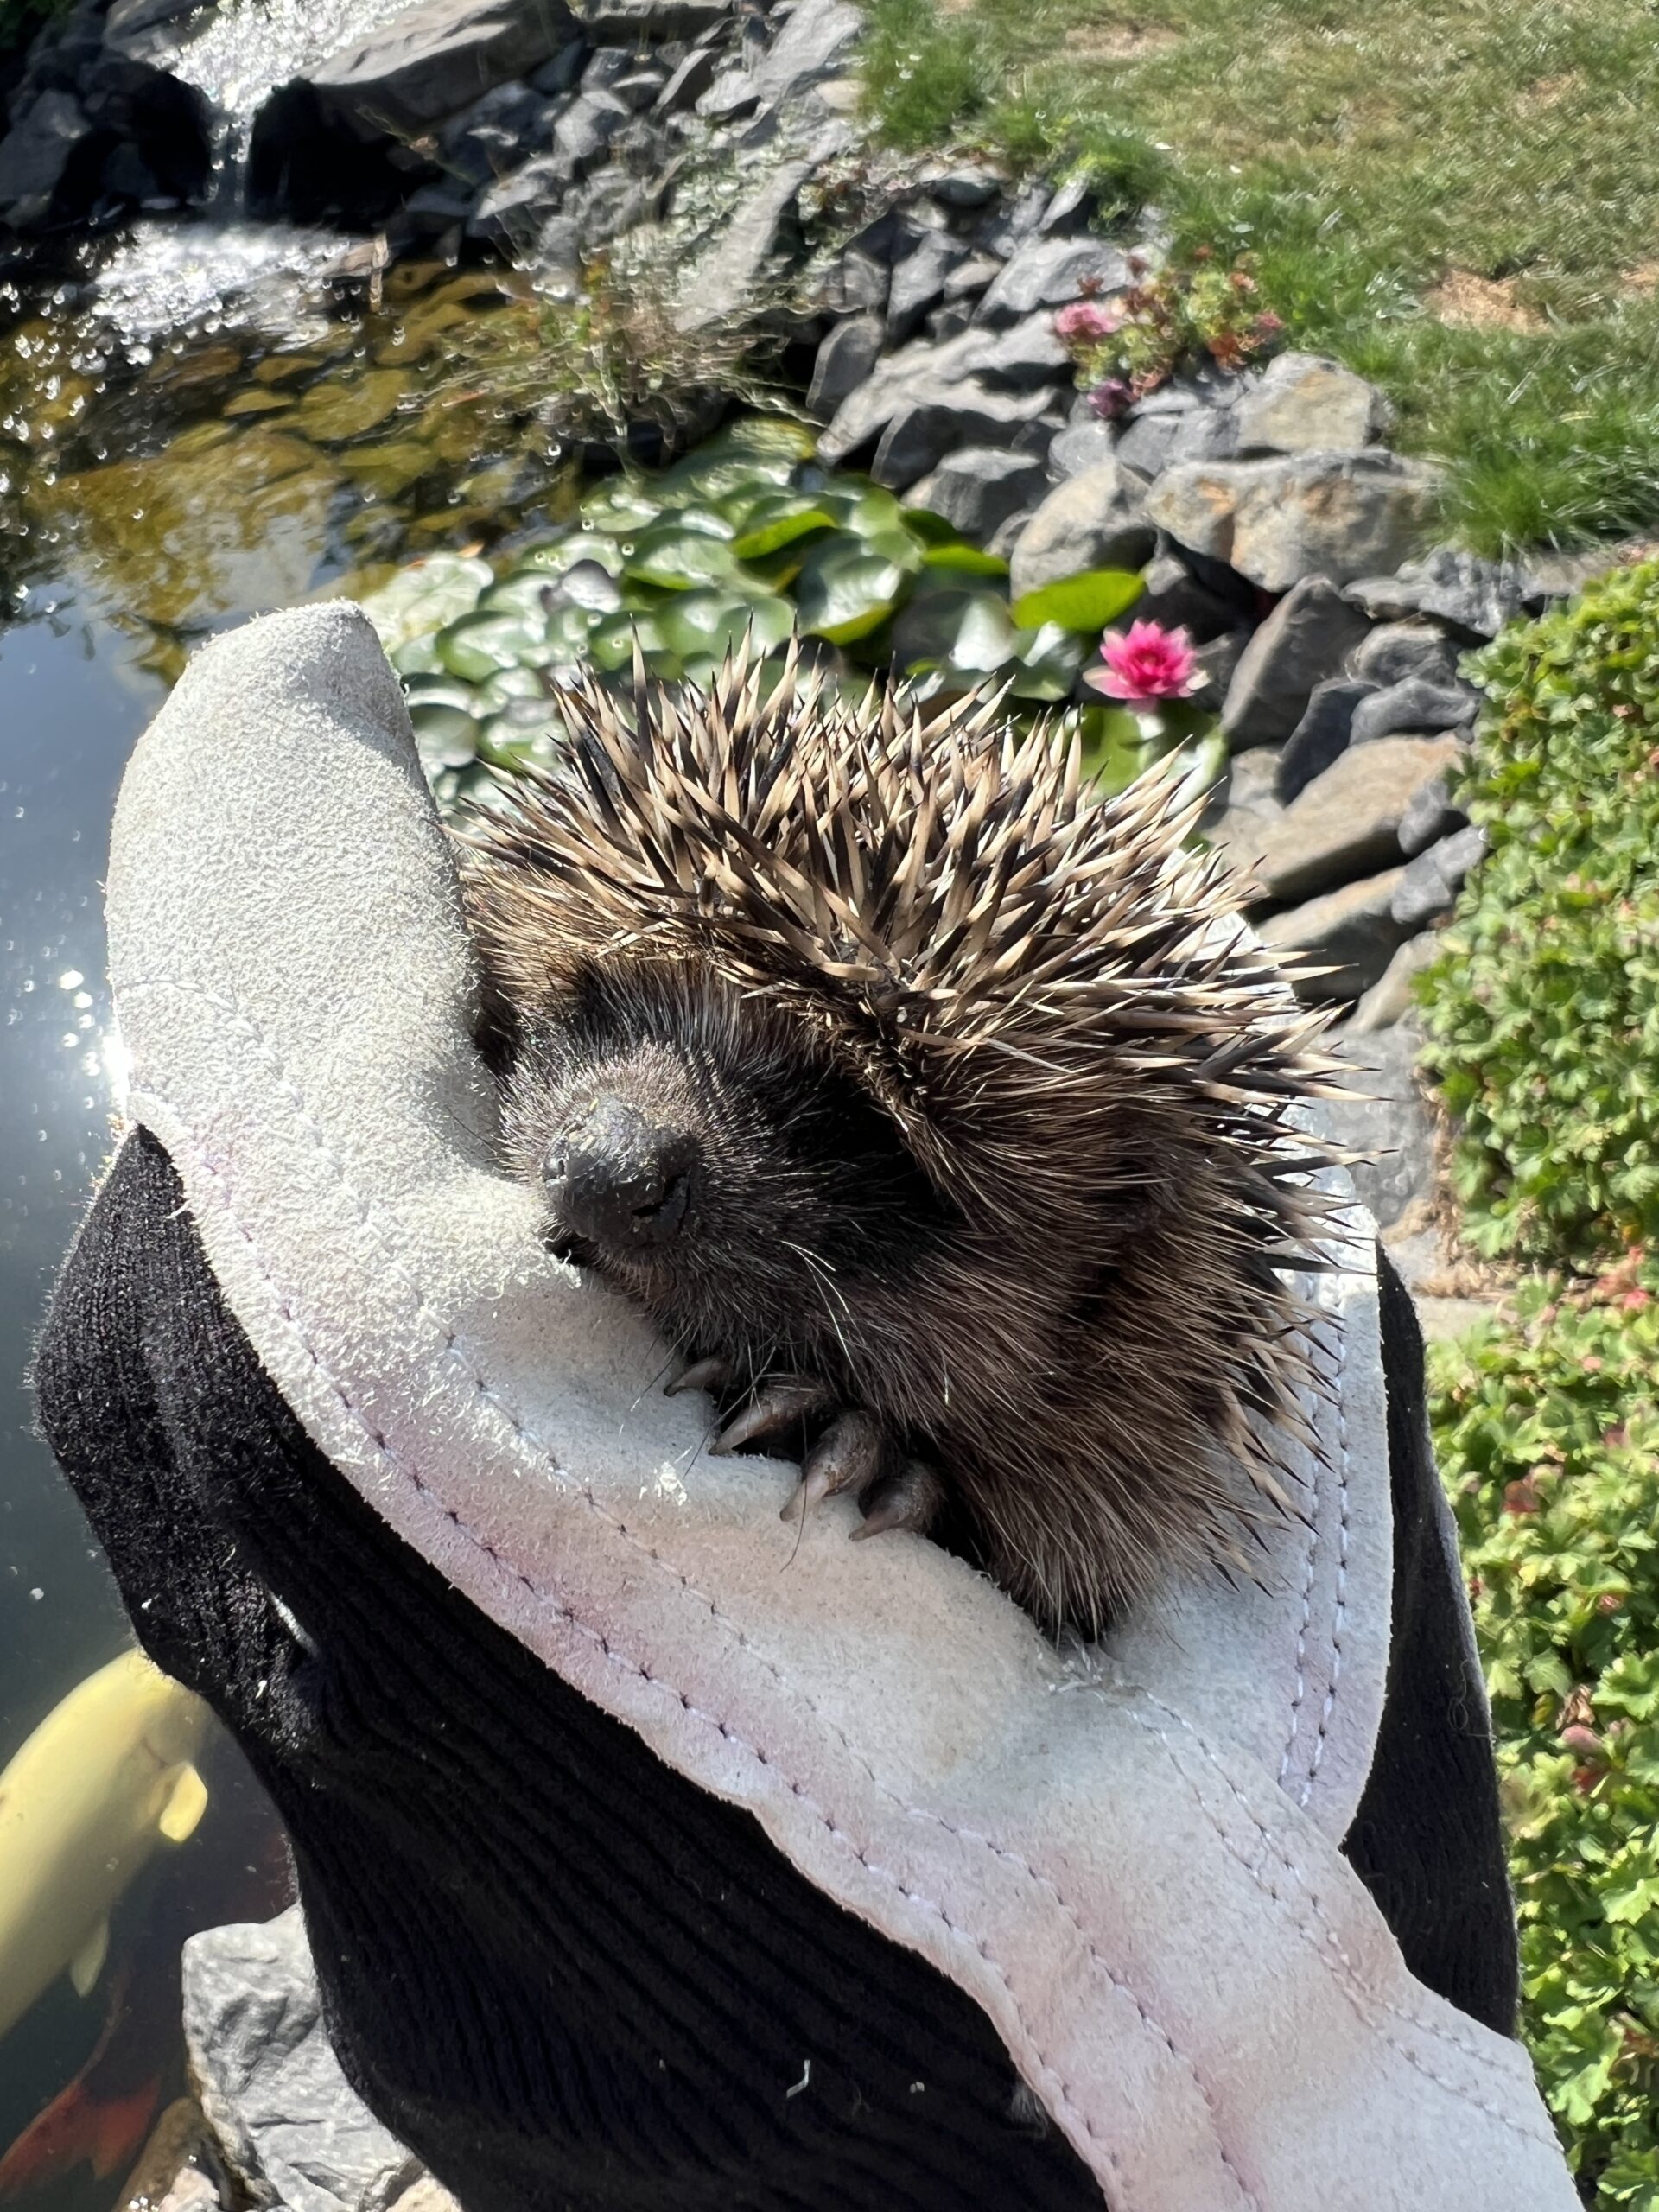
932 1106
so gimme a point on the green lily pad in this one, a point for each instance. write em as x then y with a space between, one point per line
868 508
968 632
521 593
417 655
423 597
845 592
715 623
619 506
589 584
779 518
478 644
554 555
1087 602
445 736
681 559
1047 662
497 692
610 640
955 557
565 635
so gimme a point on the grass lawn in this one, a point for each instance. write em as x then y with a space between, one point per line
1460 198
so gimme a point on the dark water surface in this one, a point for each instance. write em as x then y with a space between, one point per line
156 486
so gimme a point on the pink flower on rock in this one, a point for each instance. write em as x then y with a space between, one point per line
1112 399
1146 663
1086 322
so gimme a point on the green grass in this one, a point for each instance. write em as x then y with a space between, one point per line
1362 156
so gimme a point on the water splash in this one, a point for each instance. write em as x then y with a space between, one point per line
188 276
240 52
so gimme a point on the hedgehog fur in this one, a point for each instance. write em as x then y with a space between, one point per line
986 1107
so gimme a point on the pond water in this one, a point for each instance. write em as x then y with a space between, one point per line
208 434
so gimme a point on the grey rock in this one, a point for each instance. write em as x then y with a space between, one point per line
1390 999
405 75
514 212
1019 358
1304 403
1009 224
1174 598
1415 703
1478 596
583 133
855 281
687 84
641 88
1242 813
1323 734
1390 1124
920 374
271 2088
1048 272
969 184
1330 515
719 283
1069 214
1216 664
563 72
1428 889
732 96
1350 934
1080 446
843 362
1148 444
128 19
1346 822
34 153
611 201
917 280
1396 650
554 261
1091 521
947 322
492 137
1430 815
970 276
630 22
977 489
815 44
1302 641
935 421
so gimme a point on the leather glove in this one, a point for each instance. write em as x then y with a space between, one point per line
653 1853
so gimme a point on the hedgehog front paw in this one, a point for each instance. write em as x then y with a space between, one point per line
852 1452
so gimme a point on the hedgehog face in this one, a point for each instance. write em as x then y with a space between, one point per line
706 1154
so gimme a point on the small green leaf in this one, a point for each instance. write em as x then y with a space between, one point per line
845 593
777 519
681 560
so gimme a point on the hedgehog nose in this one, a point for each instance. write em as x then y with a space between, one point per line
619 1181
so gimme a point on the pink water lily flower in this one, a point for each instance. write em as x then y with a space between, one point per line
1146 663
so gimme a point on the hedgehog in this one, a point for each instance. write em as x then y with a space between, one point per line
938 1111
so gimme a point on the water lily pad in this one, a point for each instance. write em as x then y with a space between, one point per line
341 408
715 623
610 641
1047 662
968 632
478 644
844 592
955 557
568 628
497 692
779 518
425 596
554 555
1087 601
681 559
519 594
620 507
445 736
590 584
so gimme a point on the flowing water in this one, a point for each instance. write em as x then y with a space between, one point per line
209 430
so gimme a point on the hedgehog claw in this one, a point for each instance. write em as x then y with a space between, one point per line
776 1404
847 1456
711 1374
910 1500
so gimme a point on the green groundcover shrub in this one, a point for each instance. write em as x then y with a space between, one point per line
1548 1435
1543 1013
1543 1016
